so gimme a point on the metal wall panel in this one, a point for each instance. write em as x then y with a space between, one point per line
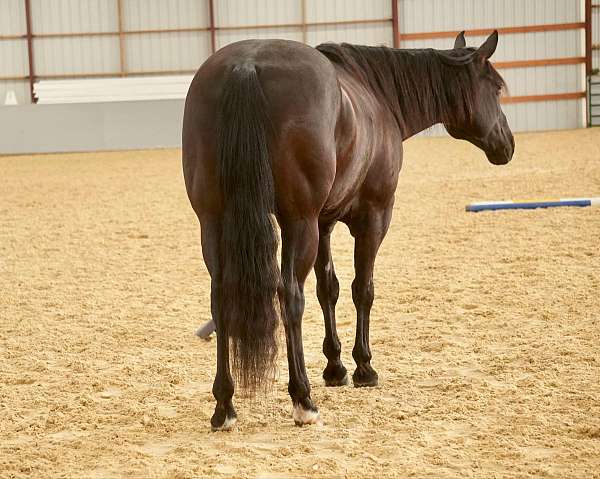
78 55
518 46
73 16
257 12
596 36
447 15
535 116
543 80
13 58
368 34
19 87
13 53
12 17
345 10
545 115
165 14
154 52
419 16
226 37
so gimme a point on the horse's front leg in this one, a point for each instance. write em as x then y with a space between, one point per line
298 251
368 229
328 290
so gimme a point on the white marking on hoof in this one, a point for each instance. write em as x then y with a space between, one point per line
303 416
227 425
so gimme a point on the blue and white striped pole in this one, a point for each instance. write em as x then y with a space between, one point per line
528 205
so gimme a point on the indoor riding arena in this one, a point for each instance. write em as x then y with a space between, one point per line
485 325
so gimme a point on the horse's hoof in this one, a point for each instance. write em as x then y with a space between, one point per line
223 419
304 416
365 377
335 375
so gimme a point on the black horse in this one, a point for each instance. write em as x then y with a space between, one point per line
277 130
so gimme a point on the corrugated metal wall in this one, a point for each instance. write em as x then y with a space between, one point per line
596 34
13 51
417 16
123 37
155 51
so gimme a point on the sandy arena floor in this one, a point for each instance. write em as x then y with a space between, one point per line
485 328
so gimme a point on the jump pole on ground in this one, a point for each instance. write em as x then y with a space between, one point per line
206 329
530 205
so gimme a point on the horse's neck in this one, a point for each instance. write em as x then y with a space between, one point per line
418 117
415 124
416 120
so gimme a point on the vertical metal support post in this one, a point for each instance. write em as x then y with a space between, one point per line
588 99
29 37
395 24
121 36
303 19
588 37
213 36
588 58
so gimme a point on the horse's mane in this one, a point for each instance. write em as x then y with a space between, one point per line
434 83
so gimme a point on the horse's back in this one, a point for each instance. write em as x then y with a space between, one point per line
302 101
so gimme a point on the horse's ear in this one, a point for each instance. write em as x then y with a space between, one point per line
460 41
488 48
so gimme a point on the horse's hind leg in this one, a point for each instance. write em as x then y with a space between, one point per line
328 290
368 229
224 416
298 251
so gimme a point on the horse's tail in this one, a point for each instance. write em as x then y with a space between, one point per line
250 274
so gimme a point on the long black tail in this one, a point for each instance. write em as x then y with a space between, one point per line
250 274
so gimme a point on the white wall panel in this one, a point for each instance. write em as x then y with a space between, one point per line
186 51
596 37
73 16
59 56
20 88
517 46
165 14
545 115
226 37
366 34
343 10
534 116
445 15
167 51
12 17
13 58
543 80
256 12
452 15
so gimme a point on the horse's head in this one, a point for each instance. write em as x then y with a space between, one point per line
486 126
